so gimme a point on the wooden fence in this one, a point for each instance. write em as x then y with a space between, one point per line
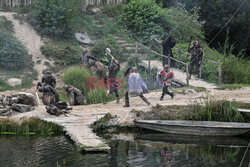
13 3
150 51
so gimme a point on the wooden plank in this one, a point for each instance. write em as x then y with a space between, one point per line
244 110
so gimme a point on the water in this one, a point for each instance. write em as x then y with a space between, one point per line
58 151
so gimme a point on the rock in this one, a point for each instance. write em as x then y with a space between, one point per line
95 10
27 98
21 107
14 100
14 82
190 91
3 111
6 101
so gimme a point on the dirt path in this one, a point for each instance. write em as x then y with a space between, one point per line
32 41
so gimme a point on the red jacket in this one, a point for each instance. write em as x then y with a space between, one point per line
167 77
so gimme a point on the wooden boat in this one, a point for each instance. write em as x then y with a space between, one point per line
200 128
223 141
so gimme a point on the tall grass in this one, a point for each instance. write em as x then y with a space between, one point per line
29 126
223 111
76 76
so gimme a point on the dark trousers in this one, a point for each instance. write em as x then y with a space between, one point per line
166 52
194 62
113 87
141 96
165 91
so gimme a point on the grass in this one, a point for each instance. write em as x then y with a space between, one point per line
232 86
32 126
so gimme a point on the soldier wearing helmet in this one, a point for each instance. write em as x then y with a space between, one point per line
75 95
49 79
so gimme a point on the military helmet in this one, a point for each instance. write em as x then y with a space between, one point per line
48 72
66 87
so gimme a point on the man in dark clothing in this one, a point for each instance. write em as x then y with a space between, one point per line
46 89
114 67
167 76
167 45
85 60
49 79
75 95
135 86
196 57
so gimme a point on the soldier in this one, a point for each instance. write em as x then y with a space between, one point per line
75 95
135 86
47 90
85 60
196 57
167 76
114 67
49 79
167 44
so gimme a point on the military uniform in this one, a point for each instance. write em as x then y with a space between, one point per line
50 80
85 60
111 82
196 58
75 96
166 46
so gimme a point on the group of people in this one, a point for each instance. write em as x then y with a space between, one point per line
195 49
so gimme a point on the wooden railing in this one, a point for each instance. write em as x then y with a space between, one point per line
186 64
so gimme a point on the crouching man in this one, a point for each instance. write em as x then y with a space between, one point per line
135 86
75 95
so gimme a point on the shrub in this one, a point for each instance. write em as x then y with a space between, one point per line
5 25
63 54
144 18
13 55
54 17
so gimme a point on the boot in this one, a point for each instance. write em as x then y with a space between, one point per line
172 96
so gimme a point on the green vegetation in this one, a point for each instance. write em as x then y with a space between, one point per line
64 54
13 55
77 77
54 17
215 111
29 126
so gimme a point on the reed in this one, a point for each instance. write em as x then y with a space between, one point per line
32 126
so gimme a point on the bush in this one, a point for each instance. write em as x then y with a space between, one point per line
144 18
54 17
13 55
63 54
5 25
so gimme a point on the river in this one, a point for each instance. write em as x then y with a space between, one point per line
58 151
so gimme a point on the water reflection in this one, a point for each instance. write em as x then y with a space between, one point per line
58 151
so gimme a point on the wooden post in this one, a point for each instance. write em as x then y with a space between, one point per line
219 72
187 71
169 60
136 48
179 50
149 57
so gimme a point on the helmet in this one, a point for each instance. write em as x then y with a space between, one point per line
48 72
166 67
108 50
66 87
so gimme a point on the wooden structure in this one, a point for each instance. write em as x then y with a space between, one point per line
14 3
199 128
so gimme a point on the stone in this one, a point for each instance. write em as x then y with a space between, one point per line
27 98
6 101
14 82
21 108
95 10
190 91
3 111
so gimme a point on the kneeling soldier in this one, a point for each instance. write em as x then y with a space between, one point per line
75 95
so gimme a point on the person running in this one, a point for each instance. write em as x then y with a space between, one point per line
167 76
135 86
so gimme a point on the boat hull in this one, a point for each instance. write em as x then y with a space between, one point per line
199 128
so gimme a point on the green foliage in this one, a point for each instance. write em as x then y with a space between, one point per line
133 61
4 86
181 24
144 18
64 54
108 42
54 17
29 126
215 111
76 76
13 55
